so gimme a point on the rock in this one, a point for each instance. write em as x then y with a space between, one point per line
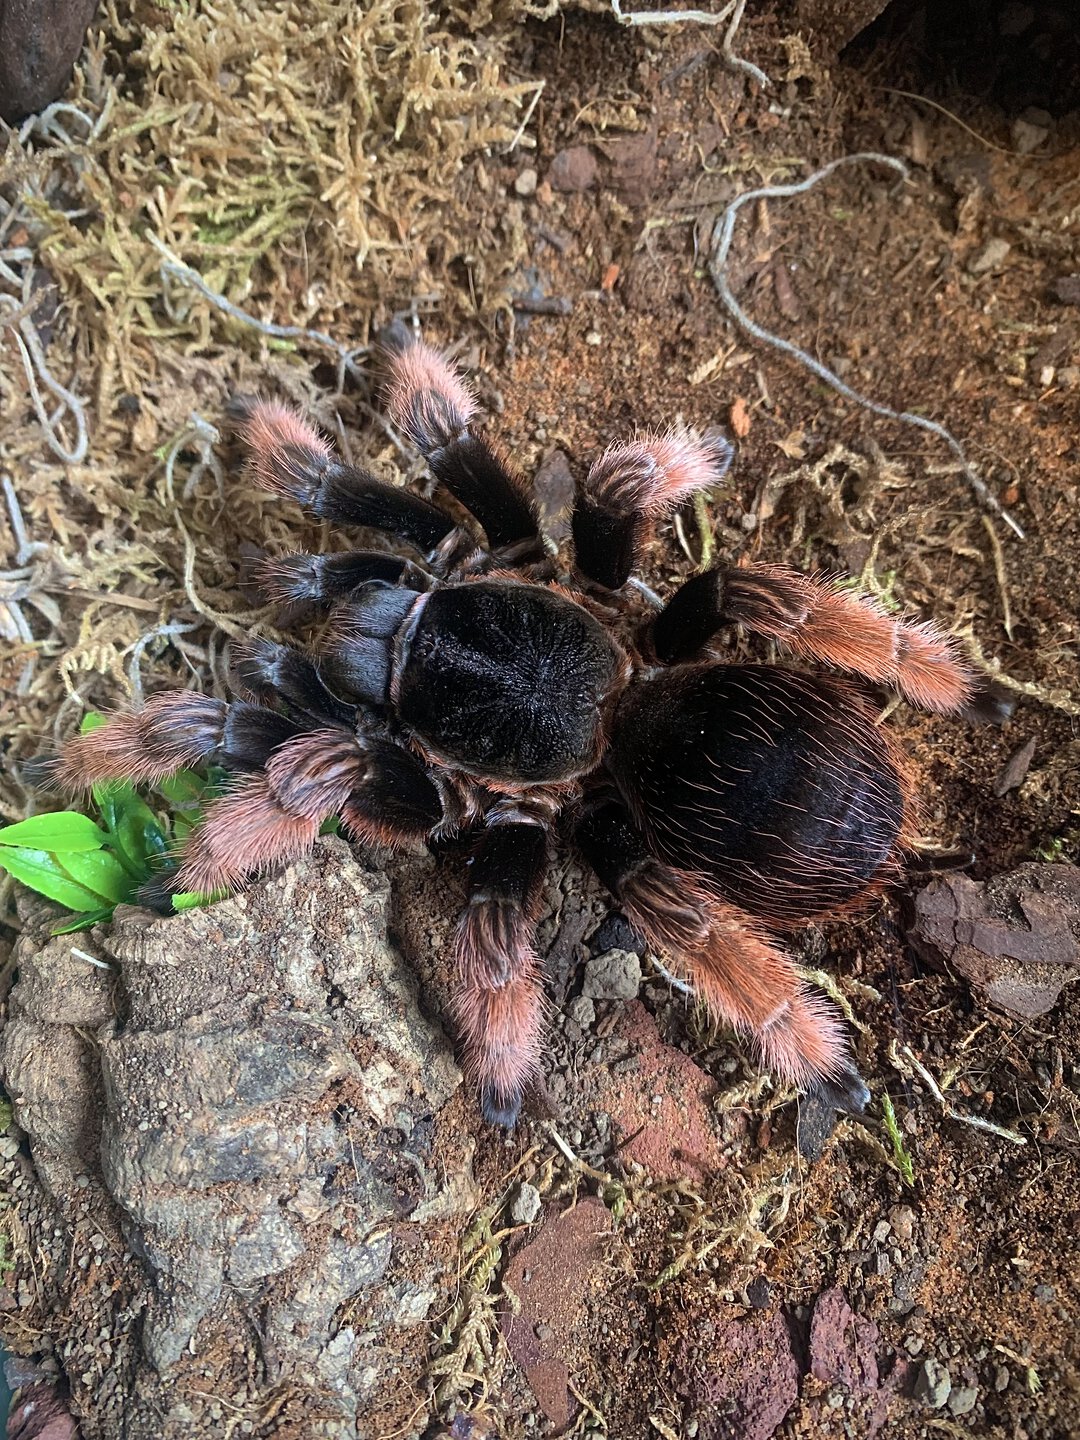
738 1376
990 257
1028 134
582 1010
526 1206
1066 289
659 1101
553 486
40 41
551 1280
526 182
1016 936
902 1220
255 1133
933 1384
615 975
573 170
616 933
1014 772
963 1399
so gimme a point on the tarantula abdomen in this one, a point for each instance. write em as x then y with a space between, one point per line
777 786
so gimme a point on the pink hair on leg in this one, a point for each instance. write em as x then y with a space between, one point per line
427 398
740 975
168 733
652 472
286 453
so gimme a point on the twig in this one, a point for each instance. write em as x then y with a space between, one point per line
172 267
32 354
542 304
999 571
683 986
923 100
1056 699
520 131
905 1058
734 8
721 247
27 548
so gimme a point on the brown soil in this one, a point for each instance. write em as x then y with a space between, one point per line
705 1308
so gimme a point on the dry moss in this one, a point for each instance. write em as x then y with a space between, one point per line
317 164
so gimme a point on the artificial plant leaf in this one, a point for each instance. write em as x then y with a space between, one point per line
61 832
42 872
101 872
84 921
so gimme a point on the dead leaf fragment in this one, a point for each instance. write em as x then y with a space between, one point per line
739 418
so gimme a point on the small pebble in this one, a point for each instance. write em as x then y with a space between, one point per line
594 338
990 257
902 1221
526 1206
1001 1378
963 1399
582 1011
526 182
933 1384
615 975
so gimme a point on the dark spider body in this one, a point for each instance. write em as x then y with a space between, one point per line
491 690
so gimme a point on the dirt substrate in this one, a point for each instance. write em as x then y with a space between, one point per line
667 1246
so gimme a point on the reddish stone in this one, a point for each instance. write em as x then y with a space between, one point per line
551 1278
673 1136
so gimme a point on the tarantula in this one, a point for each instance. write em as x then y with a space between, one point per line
484 688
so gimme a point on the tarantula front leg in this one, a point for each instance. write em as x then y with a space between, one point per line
170 732
323 580
634 482
430 402
289 457
810 616
499 1002
740 974
383 794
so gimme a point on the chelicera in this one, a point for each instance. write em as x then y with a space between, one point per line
487 688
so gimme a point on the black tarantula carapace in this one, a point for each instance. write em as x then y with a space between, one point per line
486 688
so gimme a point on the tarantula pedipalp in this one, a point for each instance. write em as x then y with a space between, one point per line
481 688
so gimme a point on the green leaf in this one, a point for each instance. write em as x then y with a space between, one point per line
62 832
133 827
101 873
43 872
83 922
184 790
192 899
92 720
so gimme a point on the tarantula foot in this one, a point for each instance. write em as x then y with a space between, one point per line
846 1091
499 1108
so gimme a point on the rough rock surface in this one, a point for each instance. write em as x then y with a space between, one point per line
248 1102
39 43
1016 937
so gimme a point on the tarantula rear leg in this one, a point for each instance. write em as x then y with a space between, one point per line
172 731
741 976
812 617
499 1003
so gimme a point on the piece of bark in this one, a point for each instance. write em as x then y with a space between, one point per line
1015 937
1014 772
40 41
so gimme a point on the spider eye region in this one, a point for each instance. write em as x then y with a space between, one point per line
509 681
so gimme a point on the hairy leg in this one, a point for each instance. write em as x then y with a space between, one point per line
170 732
290 458
633 482
499 1002
741 975
810 616
430 402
